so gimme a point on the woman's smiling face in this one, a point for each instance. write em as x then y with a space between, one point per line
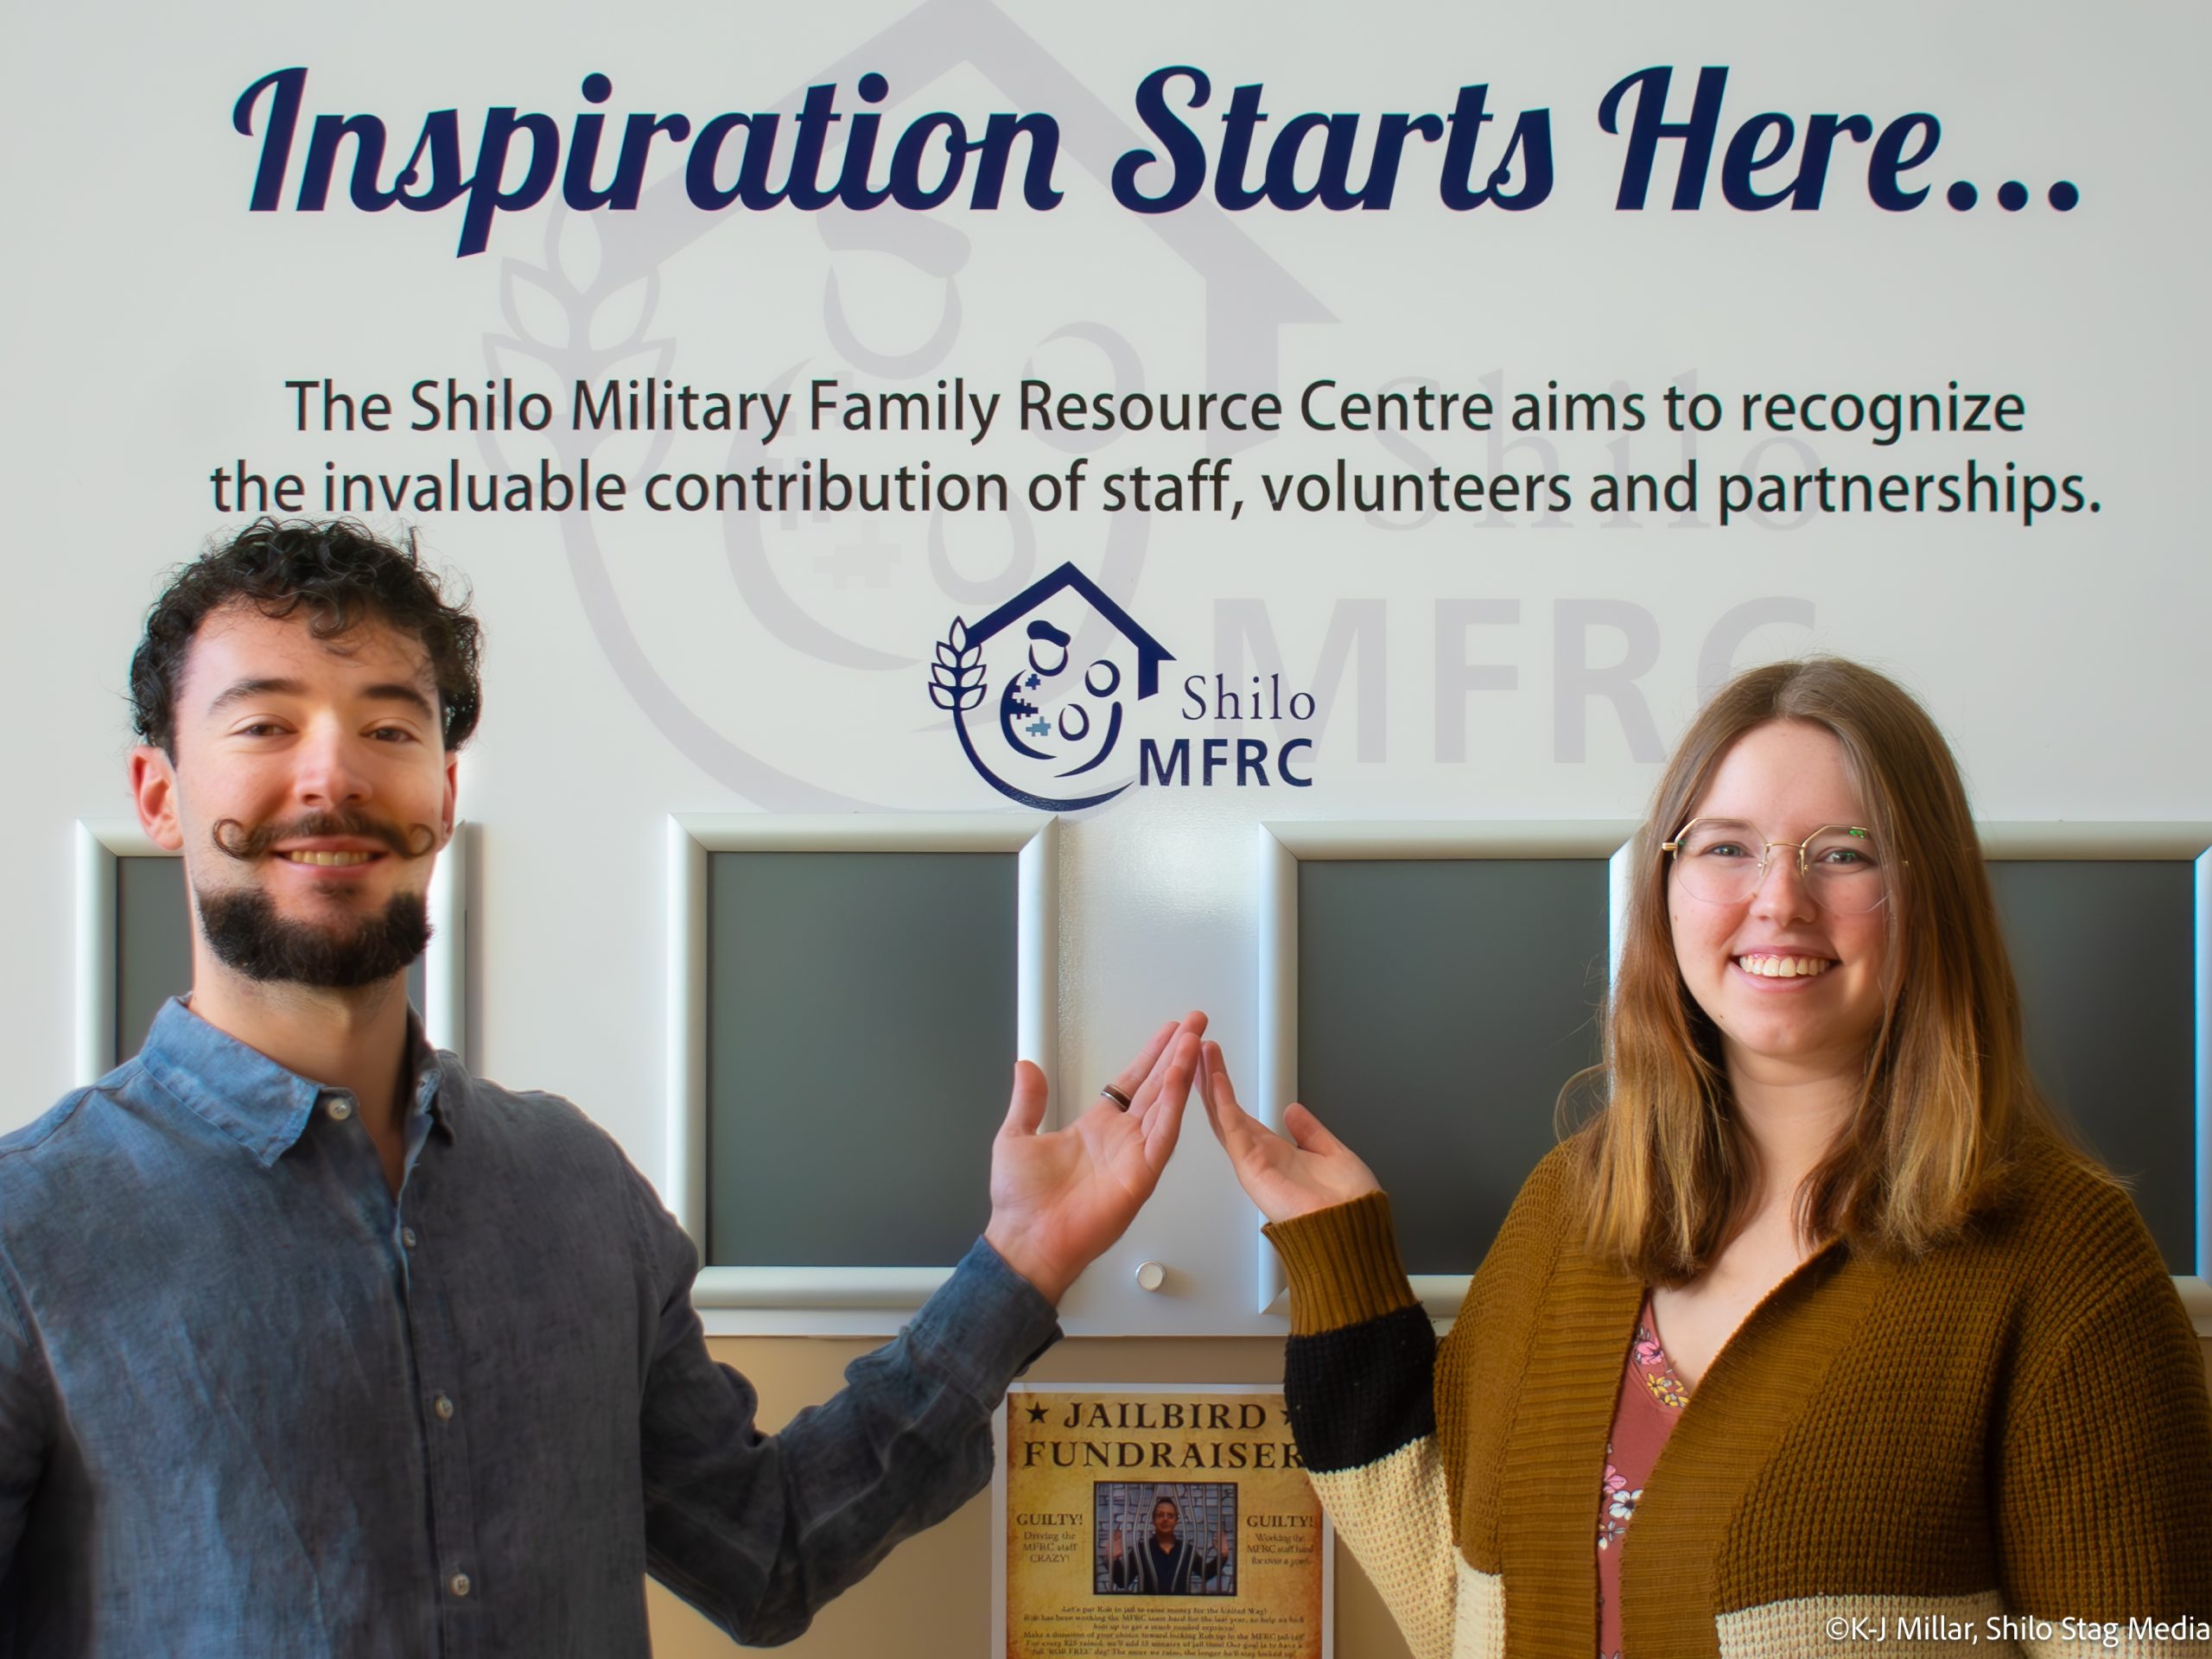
1795 988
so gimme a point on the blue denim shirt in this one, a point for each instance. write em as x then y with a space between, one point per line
250 1403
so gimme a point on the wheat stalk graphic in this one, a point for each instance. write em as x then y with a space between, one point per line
957 677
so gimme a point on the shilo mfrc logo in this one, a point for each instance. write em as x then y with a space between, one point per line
1058 732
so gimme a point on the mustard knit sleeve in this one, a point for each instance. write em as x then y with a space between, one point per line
2105 1467
1359 1373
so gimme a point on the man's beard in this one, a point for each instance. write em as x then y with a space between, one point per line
246 933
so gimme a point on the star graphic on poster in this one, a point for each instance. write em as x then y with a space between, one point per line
1036 1413
1286 1413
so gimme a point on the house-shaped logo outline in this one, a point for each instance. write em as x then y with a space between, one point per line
1150 653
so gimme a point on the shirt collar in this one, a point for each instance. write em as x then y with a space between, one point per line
249 1096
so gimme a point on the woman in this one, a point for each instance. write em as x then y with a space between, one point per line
1917 1370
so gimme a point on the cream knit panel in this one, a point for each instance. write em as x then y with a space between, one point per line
1393 1515
2086 1641
1943 1627
1896 1627
1478 1626
1937 1627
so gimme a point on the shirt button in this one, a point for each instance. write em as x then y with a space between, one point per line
458 1583
443 1405
406 1236
340 1109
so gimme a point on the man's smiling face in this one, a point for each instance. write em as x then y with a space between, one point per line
309 791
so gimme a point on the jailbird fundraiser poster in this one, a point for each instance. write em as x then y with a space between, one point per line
1157 1522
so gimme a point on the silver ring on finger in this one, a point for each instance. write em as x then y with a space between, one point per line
1116 1096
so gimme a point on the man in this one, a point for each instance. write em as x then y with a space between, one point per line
1165 1565
312 1343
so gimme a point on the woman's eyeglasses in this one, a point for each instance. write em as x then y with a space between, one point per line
1723 861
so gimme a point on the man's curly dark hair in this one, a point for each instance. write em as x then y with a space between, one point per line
340 574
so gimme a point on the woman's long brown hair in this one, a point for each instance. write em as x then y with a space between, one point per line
1668 1173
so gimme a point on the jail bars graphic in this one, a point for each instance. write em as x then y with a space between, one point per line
1207 1520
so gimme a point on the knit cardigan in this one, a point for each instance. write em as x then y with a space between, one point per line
2005 1441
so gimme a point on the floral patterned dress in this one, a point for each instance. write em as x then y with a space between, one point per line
1651 1400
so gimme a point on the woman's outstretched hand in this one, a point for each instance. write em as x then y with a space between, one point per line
1285 1175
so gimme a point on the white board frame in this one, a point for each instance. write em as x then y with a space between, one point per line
691 838
102 842
2167 843
1281 848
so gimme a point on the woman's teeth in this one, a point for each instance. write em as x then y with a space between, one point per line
1784 967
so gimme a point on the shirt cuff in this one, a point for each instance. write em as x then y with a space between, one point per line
1342 1264
985 1325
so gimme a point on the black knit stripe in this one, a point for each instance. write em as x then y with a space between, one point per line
1360 1393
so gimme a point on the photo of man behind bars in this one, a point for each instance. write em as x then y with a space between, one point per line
1165 1539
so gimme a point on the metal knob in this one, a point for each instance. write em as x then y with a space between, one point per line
1151 1275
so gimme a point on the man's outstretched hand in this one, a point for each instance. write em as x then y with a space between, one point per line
1059 1199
